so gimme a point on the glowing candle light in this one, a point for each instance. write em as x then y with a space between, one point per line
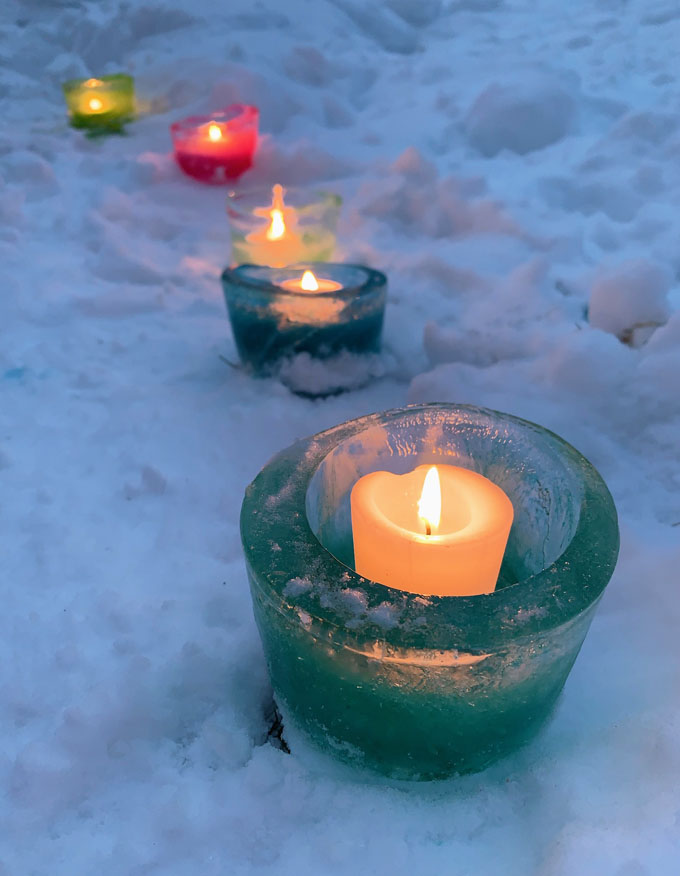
89 103
277 243
279 227
308 282
218 148
438 530
430 502
310 306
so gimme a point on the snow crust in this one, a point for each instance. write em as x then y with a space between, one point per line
515 169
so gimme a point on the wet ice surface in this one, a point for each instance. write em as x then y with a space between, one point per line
133 689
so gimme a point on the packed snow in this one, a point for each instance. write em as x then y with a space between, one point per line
514 167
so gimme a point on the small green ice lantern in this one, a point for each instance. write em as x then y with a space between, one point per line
297 226
410 686
100 105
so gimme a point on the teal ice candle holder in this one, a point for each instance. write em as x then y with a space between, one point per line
274 317
411 686
100 105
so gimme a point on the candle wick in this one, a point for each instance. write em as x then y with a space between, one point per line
428 529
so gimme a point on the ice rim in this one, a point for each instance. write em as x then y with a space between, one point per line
313 206
238 116
360 280
121 81
299 577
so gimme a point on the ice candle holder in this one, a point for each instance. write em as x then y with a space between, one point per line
100 105
216 148
281 226
273 316
424 687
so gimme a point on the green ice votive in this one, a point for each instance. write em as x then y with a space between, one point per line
100 105
424 687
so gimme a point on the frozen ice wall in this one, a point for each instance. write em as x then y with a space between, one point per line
514 167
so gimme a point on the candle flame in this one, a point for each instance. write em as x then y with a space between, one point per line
93 83
278 227
95 104
430 502
308 282
281 218
214 132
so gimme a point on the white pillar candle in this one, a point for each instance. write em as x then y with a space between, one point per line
438 530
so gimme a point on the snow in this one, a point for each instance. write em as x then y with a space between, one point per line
630 295
519 116
511 166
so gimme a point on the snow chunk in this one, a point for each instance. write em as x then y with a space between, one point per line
411 164
354 600
475 5
67 65
519 117
296 586
667 339
152 483
335 113
29 169
593 196
305 375
301 165
384 615
437 207
416 14
630 296
307 65
389 32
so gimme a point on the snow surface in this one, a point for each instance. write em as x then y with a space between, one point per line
501 161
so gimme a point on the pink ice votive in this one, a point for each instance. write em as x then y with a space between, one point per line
217 148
